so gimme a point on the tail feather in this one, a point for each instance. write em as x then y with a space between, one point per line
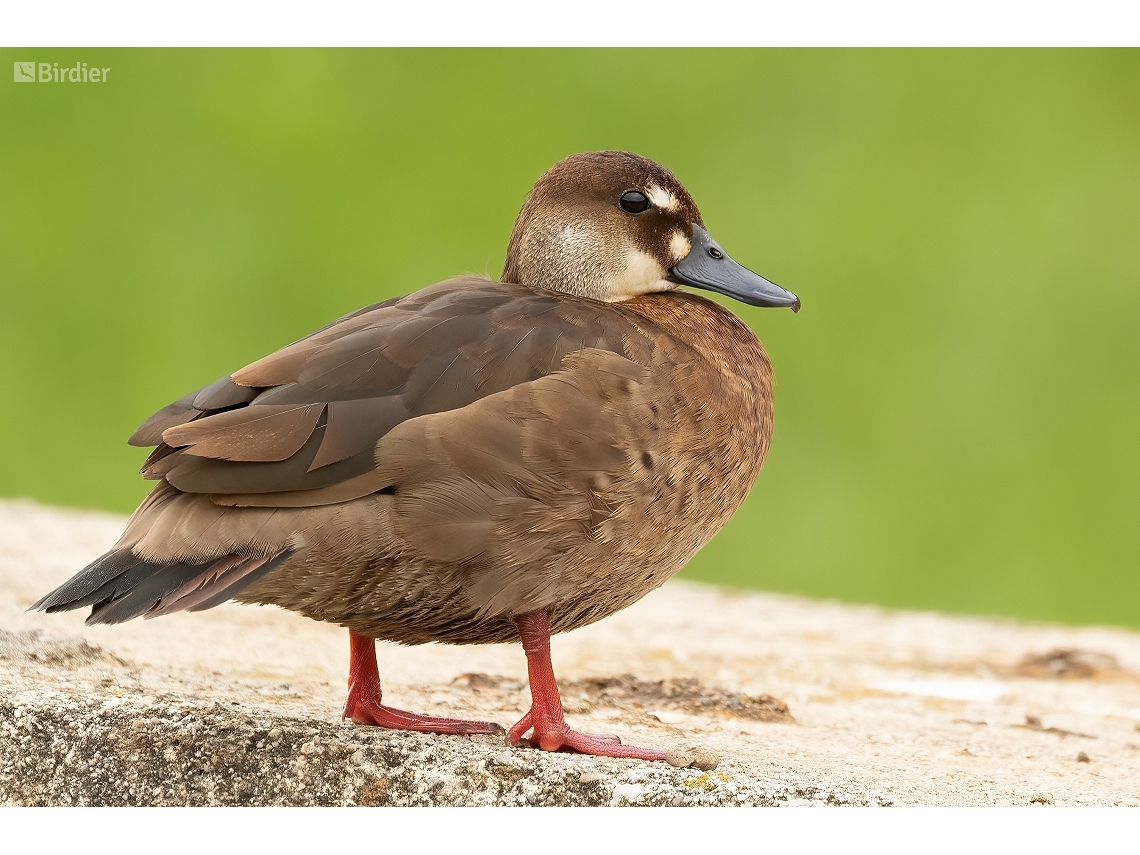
201 584
120 585
218 584
138 590
73 593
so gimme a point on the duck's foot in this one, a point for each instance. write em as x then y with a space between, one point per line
558 736
546 721
368 710
363 702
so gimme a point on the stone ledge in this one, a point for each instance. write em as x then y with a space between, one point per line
112 752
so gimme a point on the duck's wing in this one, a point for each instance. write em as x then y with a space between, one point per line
300 427
493 509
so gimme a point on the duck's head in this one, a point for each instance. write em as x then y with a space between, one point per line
611 225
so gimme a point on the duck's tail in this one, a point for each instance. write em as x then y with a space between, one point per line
120 585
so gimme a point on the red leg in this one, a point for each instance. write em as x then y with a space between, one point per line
546 720
363 702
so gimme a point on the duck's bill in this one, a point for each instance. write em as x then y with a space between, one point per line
709 267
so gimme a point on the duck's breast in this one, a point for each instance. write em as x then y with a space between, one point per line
691 463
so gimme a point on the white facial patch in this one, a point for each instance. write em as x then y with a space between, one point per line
661 197
641 273
680 245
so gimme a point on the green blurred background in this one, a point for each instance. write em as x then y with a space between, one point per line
958 408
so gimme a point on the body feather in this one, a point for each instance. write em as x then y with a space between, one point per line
430 467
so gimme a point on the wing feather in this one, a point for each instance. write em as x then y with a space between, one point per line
309 419
266 432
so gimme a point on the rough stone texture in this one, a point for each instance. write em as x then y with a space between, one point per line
804 703
92 751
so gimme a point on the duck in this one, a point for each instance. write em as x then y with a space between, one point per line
477 462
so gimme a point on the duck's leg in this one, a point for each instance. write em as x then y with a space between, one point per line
363 702
546 720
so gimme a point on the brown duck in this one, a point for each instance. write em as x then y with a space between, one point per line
476 462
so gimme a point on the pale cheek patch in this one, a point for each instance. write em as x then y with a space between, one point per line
662 198
680 245
642 275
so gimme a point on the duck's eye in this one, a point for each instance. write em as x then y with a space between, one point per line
633 202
